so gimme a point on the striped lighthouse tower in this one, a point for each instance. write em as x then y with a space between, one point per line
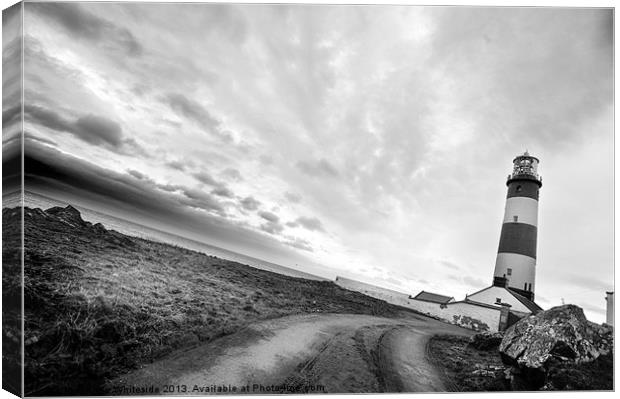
515 266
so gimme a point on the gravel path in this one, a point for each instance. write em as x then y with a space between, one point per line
302 353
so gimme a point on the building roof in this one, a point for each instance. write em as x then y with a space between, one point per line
531 305
486 305
482 290
430 297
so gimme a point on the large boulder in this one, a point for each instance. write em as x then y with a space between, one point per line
560 334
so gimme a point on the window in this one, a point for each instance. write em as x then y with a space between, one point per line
498 300
509 271
515 218
518 189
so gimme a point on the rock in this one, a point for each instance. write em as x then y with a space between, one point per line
36 212
597 375
68 214
486 340
561 333
99 228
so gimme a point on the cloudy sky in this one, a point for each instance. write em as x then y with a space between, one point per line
366 141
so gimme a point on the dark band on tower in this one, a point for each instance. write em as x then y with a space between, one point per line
515 266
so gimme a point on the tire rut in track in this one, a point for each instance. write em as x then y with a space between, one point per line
346 363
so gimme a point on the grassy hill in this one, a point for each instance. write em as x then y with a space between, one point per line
99 303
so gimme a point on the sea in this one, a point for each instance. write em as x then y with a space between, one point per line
35 200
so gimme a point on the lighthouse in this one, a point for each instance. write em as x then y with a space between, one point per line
511 296
515 265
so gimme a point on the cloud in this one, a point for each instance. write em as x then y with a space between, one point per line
232 173
59 175
11 115
178 165
320 168
12 35
266 159
559 64
47 167
192 110
93 129
206 178
250 203
30 136
170 187
271 217
83 25
99 130
309 223
595 309
299 243
475 282
137 174
223 192
272 227
200 199
49 119
450 265
593 283
292 197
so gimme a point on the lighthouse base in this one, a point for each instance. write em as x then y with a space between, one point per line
503 283
527 294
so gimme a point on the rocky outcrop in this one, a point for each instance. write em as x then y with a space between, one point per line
69 215
67 222
559 334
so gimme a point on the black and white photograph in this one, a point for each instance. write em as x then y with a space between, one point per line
203 198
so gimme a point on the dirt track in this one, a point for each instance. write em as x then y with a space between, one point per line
314 353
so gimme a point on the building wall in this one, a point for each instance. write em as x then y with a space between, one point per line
475 317
464 314
490 295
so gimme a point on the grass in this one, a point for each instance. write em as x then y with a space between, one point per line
98 303
464 368
11 305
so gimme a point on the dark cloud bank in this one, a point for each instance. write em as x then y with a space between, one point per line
93 129
134 196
